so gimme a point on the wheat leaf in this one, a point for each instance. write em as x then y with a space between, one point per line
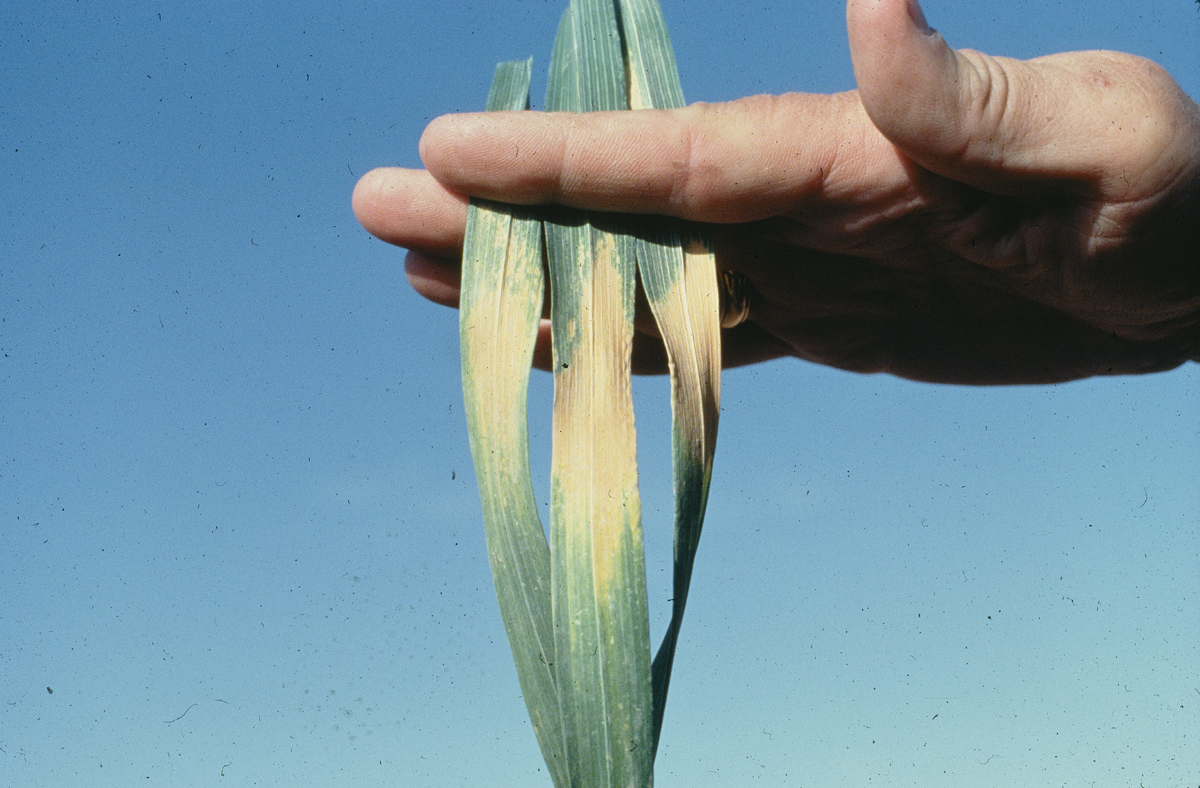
598 565
678 273
500 306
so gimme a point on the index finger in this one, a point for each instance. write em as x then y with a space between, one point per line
731 162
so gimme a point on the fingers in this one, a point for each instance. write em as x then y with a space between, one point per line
438 279
964 115
410 209
732 162
1003 124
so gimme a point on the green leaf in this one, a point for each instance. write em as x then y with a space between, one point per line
500 306
599 578
678 273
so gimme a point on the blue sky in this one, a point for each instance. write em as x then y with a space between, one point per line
241 537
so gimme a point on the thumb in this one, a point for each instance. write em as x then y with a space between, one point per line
996 123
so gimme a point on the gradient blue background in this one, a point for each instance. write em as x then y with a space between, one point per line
241 539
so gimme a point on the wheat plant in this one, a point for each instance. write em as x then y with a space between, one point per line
575 605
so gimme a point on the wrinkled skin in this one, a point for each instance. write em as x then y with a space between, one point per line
959 218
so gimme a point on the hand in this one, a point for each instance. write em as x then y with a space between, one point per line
959 218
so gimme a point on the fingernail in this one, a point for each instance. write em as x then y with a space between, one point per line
918 17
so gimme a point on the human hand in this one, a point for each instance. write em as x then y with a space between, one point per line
959 218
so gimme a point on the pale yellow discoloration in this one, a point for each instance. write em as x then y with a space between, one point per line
500 299
594 436
701 305
687 315
638 95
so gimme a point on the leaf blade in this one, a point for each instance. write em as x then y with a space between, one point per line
678 272
599 581
500 306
